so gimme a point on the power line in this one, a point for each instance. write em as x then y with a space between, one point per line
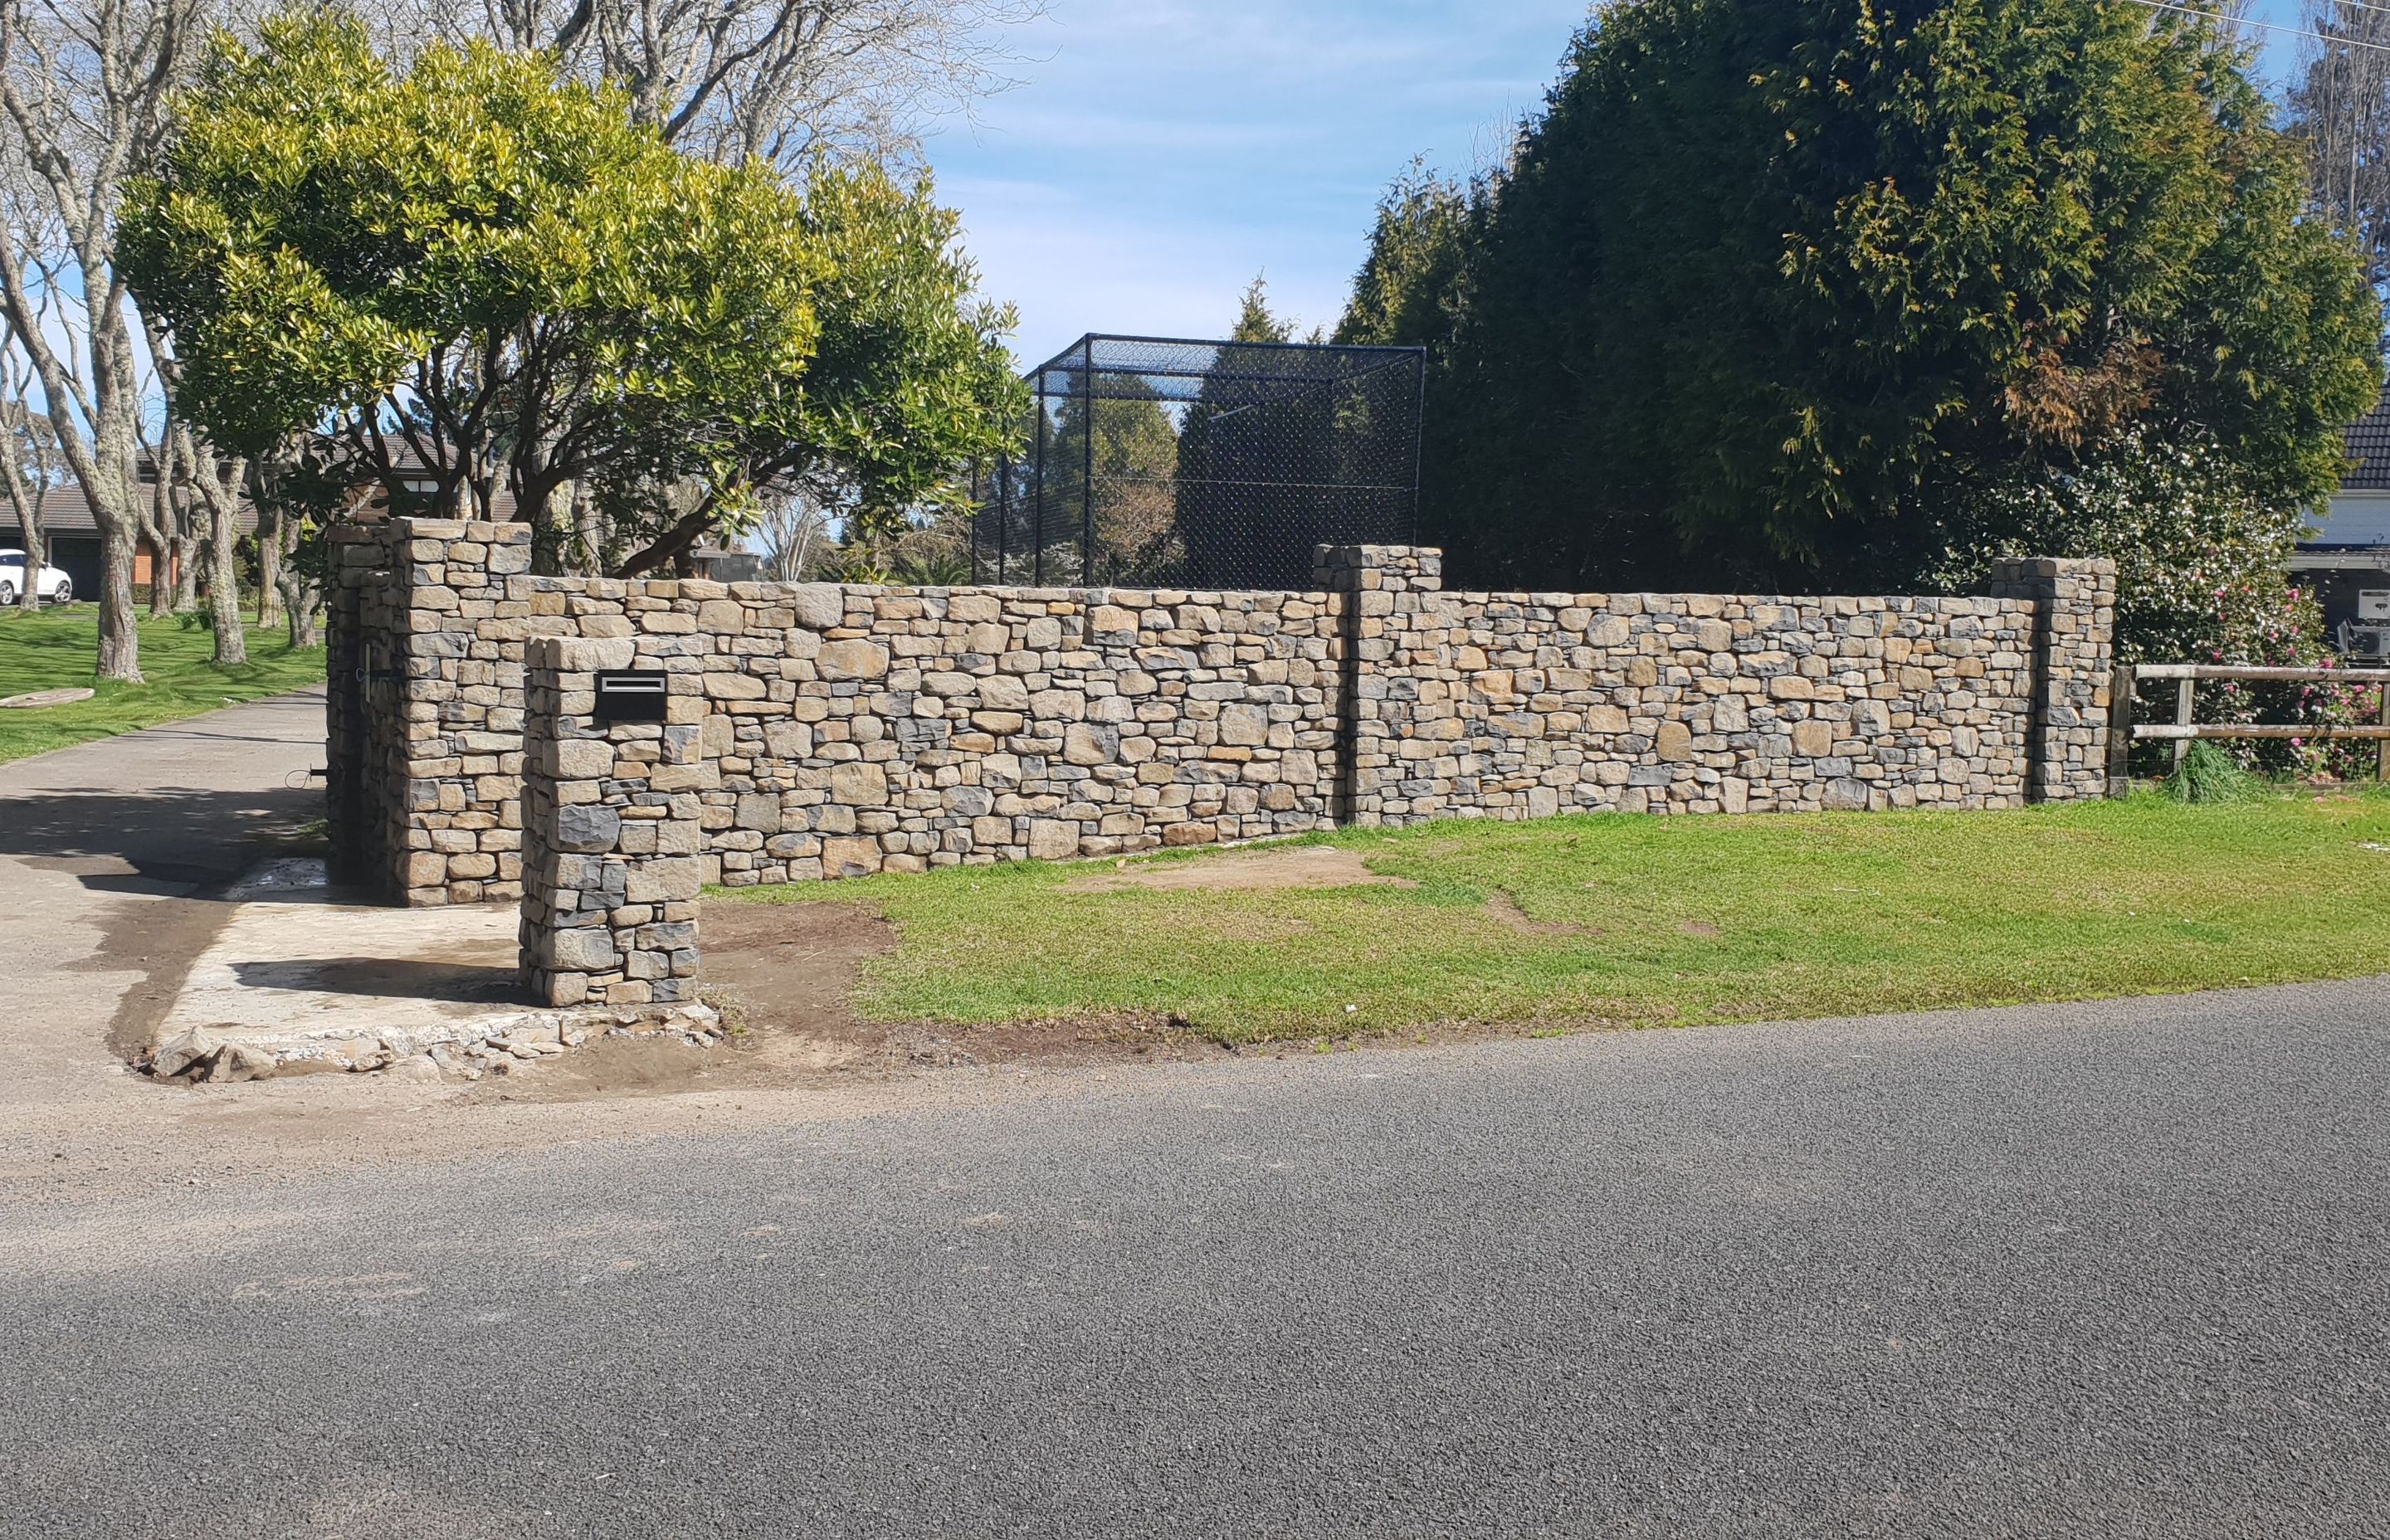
2265 26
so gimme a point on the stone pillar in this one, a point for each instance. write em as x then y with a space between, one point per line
2073 666
611 865
1381 589
424 732
356 595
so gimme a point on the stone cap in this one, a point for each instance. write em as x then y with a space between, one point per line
578 654
462 529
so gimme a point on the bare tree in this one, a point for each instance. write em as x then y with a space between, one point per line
793 532
2341 106
736 80
84 91
27 464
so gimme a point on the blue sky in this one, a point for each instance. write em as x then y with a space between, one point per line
1159 153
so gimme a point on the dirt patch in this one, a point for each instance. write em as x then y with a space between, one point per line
1258 872
1698 927
1502 906
782 974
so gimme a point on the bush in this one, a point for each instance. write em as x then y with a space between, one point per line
2207 773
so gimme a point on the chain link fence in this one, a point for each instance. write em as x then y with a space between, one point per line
1161 462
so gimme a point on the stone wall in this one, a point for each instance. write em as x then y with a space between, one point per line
850 729
613 835
1525 705
846 729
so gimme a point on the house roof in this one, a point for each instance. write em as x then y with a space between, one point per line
2369 445
64 511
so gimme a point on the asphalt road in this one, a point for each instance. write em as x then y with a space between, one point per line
2109 1269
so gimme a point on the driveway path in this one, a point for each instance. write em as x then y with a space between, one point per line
111 856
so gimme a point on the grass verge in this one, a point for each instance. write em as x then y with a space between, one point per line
1632 920
53 649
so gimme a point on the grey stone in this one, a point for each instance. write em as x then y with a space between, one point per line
587 827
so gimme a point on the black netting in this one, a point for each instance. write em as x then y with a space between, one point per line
1203 465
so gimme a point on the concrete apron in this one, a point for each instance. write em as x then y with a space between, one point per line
297 982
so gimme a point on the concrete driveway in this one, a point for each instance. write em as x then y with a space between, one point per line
111 856
2109 1269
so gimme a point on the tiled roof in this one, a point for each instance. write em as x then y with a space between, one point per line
64 511
2369 445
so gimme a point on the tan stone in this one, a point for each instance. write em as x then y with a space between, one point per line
1674 741
855 659
1813 738
1086 745
1052 839
858 784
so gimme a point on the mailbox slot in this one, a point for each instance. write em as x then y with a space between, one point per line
631 695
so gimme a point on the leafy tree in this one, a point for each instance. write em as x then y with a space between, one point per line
1408 284
1848 294
1255 321
1135 458
477 274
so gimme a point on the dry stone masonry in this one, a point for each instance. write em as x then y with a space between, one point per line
612 831
823 730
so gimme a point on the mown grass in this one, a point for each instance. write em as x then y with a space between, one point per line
53 649
1679 920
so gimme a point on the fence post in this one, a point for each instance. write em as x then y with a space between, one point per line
2185 694
2382 750
2120 731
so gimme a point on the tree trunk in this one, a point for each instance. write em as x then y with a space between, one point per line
29 524
161 564
299 607
188 549
119 627
269 565
224 582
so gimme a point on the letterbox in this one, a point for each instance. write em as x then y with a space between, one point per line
631 695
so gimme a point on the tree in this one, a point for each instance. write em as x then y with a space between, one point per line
1408 288
2340 105
83 88
479 274
740 79
1805 297
28 460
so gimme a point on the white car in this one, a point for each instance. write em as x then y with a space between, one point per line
56 588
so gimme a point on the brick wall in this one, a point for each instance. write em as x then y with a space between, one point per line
843 729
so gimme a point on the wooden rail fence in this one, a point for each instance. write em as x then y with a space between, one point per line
2124 732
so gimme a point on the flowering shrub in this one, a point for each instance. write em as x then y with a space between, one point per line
2202 577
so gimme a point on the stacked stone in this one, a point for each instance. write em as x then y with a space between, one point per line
848 729
612 865
427 722
2075 603
857 730
1524 705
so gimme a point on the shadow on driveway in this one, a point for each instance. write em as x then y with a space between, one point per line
171 840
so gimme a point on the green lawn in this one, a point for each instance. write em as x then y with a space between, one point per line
1675 920
53 649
